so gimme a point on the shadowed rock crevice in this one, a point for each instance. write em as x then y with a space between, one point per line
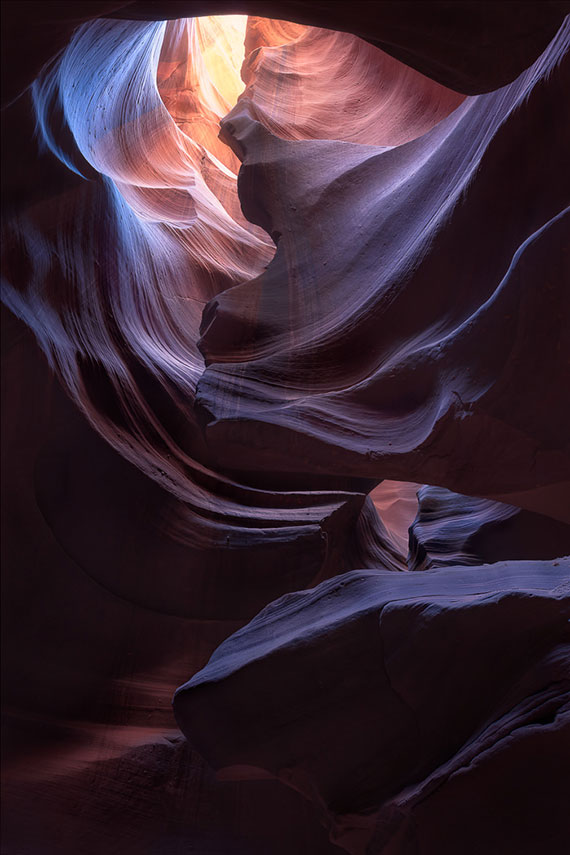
285 316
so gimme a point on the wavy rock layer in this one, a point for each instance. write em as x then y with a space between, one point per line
384 371
211 369
380 696
157 231
480 49
451 529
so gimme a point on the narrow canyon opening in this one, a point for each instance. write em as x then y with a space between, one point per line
286 469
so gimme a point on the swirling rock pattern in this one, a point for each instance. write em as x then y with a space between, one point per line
368 377
217 349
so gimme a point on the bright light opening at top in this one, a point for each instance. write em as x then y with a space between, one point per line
222 46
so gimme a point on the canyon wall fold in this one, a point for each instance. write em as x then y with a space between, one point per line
285 317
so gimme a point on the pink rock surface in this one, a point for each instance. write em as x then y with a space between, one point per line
220 390
349 322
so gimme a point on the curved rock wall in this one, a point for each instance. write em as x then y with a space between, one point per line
237 341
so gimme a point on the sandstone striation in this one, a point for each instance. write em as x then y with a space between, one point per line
285 315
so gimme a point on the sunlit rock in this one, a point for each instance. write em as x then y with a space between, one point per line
267 279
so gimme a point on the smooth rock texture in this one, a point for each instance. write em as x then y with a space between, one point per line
451 529
372 692
385 375
226 384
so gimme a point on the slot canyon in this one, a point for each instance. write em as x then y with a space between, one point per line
286 427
